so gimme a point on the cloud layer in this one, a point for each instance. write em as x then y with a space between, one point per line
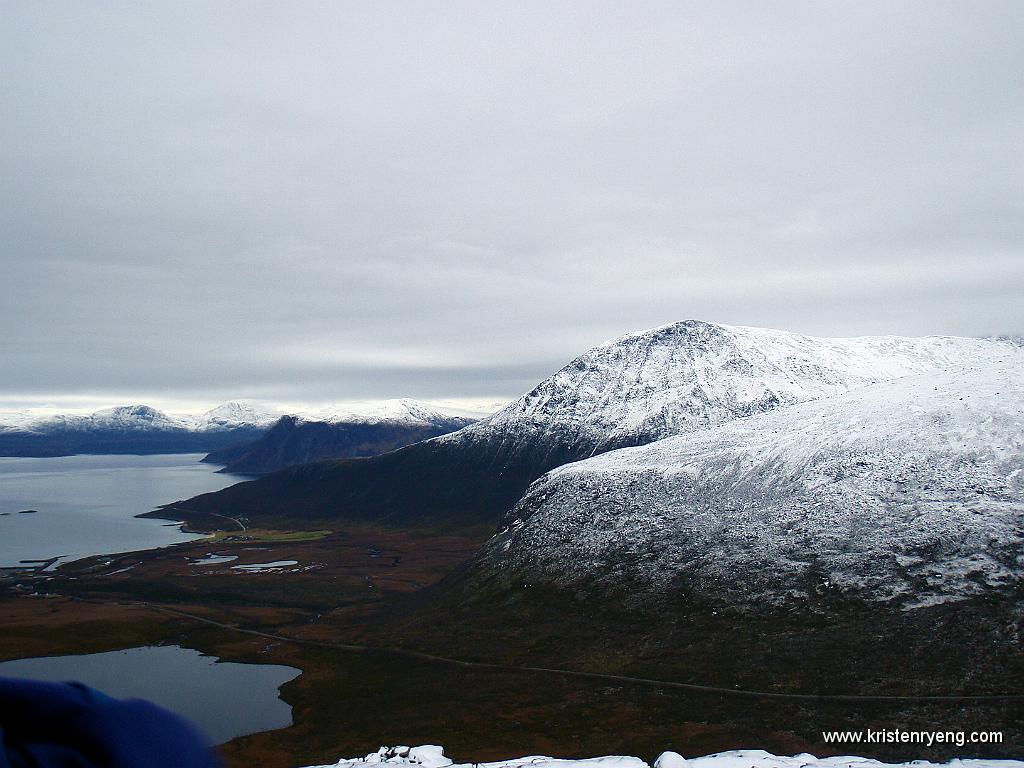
325 201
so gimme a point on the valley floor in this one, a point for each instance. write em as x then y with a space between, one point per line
344 606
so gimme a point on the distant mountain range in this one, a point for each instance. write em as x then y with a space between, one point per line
248 438
351 431
132 429
630 391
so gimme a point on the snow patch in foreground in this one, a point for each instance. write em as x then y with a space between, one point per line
432 756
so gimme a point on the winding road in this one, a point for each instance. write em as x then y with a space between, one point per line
712 689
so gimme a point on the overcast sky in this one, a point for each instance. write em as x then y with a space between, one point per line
320 201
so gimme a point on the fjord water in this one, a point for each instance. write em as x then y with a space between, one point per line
86 505
225 699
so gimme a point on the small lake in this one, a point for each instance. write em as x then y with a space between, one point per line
86 505
225 699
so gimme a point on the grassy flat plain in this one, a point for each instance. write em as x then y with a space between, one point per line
366 586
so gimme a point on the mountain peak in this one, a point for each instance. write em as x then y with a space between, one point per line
396 411
691 328
672 380
692 374
857 488
237 413
135 411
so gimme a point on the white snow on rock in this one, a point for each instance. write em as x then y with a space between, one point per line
130 418
231 416
234 415
691 375
142 418
629 391
757 758
402 411
431 756
910 490
17 421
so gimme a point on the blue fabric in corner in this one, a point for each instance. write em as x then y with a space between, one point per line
69 725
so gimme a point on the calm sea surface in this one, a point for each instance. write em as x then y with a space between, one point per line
86 505
225 699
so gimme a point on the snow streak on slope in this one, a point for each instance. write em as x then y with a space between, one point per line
911 490
430 756
690 375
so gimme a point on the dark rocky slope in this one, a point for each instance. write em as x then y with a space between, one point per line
294 440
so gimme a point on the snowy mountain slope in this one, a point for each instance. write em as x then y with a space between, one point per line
685 376
235 415
130 429
122 418
140 428
431 756
909 491
350 431
14 422
230 415
403 411
630 391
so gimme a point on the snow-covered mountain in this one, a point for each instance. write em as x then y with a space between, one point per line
125 418
131 429
432 756
909 491
348 430
143 418
690 375
400 411
235 415
362 428
630 391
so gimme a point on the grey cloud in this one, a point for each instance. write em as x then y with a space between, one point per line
330 200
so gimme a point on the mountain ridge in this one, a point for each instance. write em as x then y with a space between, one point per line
905 491
629 391
228 427
130 429
337 433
